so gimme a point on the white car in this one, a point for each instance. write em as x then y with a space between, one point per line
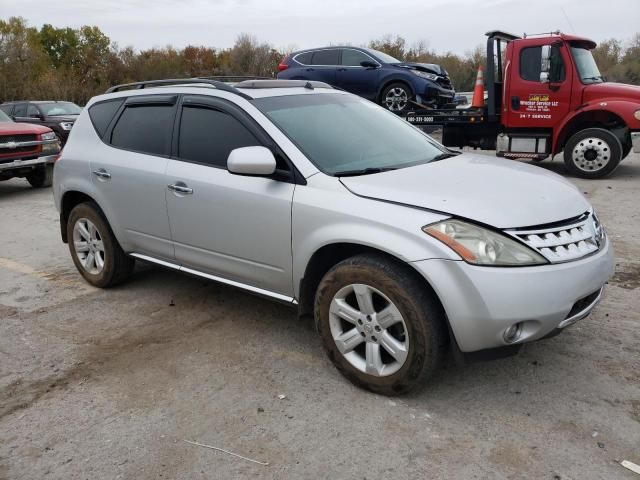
315 197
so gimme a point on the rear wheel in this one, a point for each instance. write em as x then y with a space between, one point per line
41 177
94 249
396 97
380 327
592 153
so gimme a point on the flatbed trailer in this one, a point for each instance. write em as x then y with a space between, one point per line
545 95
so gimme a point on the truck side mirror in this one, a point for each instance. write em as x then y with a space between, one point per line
545 63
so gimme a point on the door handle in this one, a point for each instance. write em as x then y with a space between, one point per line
515 103
342 69
102 173
310 69
183 189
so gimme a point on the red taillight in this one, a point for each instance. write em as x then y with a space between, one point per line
283 64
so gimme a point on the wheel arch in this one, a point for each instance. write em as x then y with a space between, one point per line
594 118
69 201
395 79
331 254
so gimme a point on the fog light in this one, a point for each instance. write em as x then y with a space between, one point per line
513 333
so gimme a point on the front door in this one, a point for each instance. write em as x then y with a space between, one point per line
535 98
353 77
232 226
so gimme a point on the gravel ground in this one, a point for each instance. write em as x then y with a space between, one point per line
107 384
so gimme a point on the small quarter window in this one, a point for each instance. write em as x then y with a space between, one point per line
304 58
102 113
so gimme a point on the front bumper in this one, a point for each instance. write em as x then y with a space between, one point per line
435 94
18 164
482 302
635 141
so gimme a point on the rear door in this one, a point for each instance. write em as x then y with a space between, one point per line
324 64
533 99
353 77
231 226
130 174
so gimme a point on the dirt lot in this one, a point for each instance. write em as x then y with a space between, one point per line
107 384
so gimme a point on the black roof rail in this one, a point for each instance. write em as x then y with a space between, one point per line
225 87
235 78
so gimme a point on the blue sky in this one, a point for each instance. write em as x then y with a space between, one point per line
455 25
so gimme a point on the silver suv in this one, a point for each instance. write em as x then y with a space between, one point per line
315 197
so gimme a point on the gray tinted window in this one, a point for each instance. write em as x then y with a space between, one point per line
20 110
144 129
102 113
32 110
352 58
6 109
304 58
208 136
325 57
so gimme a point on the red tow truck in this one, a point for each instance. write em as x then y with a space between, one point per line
27 151
545 94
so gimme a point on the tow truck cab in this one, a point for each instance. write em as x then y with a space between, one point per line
545 93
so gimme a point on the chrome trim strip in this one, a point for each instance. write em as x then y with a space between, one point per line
226 281
33 143
583 313
26 163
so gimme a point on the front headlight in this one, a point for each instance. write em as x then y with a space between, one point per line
428 76
480 246
66 125
48 136
636 114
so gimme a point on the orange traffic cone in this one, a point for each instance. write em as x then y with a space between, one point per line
478 90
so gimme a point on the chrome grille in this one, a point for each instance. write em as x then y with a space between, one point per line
564 241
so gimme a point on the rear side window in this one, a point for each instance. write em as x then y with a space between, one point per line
326 57
6 109
304 58
20 110
207 136
102 113
144 128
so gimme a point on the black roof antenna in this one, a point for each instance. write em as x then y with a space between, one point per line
309 86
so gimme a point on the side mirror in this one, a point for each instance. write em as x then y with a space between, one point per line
369 64
251 161
545 63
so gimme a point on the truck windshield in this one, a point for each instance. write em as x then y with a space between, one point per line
587 68
60 108
347 135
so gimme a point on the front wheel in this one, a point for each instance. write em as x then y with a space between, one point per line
396 97
379 325
592 153
41 177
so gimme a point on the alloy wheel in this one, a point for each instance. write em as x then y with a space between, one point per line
368 330
396 99
88 245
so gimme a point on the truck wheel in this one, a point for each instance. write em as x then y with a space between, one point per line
396 97
41 177
379 326
592 153
94 249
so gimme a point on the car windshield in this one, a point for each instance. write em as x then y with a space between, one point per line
4 117
383 57
57 109
587 67
346 135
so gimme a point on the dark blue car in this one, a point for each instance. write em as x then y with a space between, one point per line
371 74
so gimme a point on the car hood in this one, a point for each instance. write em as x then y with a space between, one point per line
13 128
611 90
425 67
501 193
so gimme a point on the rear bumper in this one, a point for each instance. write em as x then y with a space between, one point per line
635 141
482 302
18 164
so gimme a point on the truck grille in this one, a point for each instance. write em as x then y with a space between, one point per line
564 241
6 141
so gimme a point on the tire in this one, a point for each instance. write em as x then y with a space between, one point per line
110 265
421 330
592 153
41 177
396 97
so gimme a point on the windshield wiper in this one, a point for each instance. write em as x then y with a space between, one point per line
363 171
444 155
598 77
